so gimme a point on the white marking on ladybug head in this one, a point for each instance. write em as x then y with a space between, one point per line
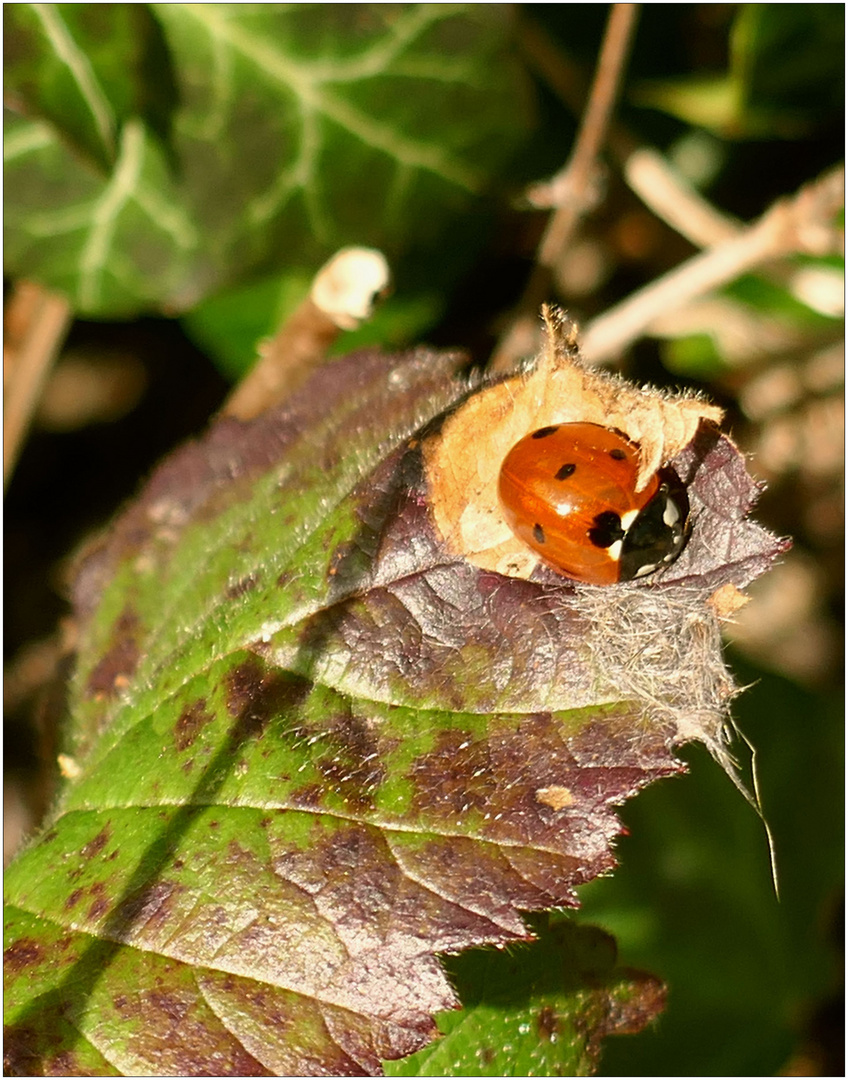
614 550
628 518
671 513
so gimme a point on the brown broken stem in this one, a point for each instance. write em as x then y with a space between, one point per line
342 296
801 223
573 190
36 322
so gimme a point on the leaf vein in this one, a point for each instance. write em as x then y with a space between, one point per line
77 63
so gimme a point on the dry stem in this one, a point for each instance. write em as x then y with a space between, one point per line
668 195
45 318
802 223
343 294
572 189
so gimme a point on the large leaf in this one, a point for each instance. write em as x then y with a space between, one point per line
213 141
310 750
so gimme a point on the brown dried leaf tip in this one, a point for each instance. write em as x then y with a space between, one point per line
463 461
654 642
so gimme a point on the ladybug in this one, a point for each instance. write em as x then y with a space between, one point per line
569 492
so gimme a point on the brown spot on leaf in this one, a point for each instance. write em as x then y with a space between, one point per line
242 586
120 660
95 846
353 765
22 954
21 1056
547 1023
630 1013
174 1007
455 777
191 722
149 908
74 898
256 695
100 905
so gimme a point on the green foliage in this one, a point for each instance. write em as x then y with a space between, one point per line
785 75
297 773
537 1009
279 135
738 960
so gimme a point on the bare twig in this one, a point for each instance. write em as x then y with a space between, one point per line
650 176
802 223
573 185
29 353
343 294
664 191
573 189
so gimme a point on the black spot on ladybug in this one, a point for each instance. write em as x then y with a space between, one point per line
539 533
606 529
618 455
564 471
544 432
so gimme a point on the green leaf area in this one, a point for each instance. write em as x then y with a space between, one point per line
310 750
155 154
537 1009
785 77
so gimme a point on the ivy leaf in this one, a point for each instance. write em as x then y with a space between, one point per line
309 750
208 143
115 245
81 68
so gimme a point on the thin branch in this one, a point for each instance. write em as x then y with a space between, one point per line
669 195
574 183
573 188
802 223
673 199
28 358
650 176
342 296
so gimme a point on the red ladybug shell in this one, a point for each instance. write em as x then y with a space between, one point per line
569 492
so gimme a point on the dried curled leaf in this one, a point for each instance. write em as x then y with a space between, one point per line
314 745
464 459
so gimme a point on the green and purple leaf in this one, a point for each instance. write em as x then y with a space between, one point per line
313 750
